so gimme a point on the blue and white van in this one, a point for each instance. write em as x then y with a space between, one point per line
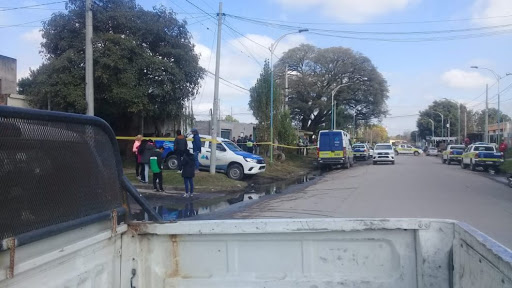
231 160
334 148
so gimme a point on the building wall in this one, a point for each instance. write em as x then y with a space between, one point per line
7 75
230 129
16 100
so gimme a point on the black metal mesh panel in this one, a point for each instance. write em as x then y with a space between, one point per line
53 172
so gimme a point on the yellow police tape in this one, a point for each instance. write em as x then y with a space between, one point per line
204 140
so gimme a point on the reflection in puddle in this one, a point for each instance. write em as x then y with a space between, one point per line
189 209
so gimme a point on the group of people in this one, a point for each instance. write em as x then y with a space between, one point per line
245 143
148 156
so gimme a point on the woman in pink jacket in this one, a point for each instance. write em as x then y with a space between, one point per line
135 150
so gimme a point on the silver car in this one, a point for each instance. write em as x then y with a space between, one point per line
432 151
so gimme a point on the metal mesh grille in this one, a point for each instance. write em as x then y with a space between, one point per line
52 172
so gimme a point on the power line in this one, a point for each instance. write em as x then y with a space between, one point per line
209 62
21 24
374 23
30 6
243 88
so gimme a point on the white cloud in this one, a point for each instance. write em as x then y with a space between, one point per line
238 68
33 36
457 78
349 10
492 9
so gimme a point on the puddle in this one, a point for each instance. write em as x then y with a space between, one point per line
175 210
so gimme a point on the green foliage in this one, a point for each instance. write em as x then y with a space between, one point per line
286 132
314 73
230 118
259 103
144 63
449 111
493 118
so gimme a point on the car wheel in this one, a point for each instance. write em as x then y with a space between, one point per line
443 160
448 162
393 163
416 153
462 165
172 162
509 182
235 172
374 162
472 166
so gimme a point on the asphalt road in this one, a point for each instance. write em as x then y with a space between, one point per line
415 187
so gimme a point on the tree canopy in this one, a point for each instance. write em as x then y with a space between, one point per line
144 62
230 118
313 75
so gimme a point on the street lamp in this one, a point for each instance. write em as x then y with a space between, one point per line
333 125
498 78
272 49
458 117
432 127
442 123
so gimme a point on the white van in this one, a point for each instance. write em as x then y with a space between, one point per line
231 160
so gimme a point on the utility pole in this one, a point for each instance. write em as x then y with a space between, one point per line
448 126
465 124
213 154
89 76
486 132
285 105
334 124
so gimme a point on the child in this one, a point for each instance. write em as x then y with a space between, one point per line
156 166
188 173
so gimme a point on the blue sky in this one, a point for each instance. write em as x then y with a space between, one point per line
417 72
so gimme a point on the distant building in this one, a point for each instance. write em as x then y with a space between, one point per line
505 130
8 86
228 130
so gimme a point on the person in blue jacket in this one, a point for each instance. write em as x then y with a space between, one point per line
196 147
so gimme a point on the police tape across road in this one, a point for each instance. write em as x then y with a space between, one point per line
215 141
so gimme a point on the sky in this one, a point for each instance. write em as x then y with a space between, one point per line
427 66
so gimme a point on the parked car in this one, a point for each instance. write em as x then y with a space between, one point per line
334 148
481 155
231 160
361 151
432 151
453 154
384 152
407 149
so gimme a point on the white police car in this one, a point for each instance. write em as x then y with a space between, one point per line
231 160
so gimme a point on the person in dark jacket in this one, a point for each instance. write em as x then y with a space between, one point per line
140 150
180 145
188 173
156 167
145 155
196 147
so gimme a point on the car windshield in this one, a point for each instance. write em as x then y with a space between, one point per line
231 146
459 147
358 146
484 148
384 147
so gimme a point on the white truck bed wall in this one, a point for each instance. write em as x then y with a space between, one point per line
265 253
314 253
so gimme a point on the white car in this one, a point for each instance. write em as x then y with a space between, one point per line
384 152
231 160
432 151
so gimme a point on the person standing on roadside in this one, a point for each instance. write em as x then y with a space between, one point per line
135 150
250 144
188 173
146 155
156 167
180 145
239 142
140 151
196 147
503 148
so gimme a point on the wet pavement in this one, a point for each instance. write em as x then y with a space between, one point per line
172 206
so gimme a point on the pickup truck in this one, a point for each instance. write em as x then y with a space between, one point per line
66 222
481 155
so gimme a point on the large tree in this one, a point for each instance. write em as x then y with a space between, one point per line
144 63
313 75
493 118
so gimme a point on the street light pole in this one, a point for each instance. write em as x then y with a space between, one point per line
442 122
458 118
272 49
498 78
432 127
333 119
